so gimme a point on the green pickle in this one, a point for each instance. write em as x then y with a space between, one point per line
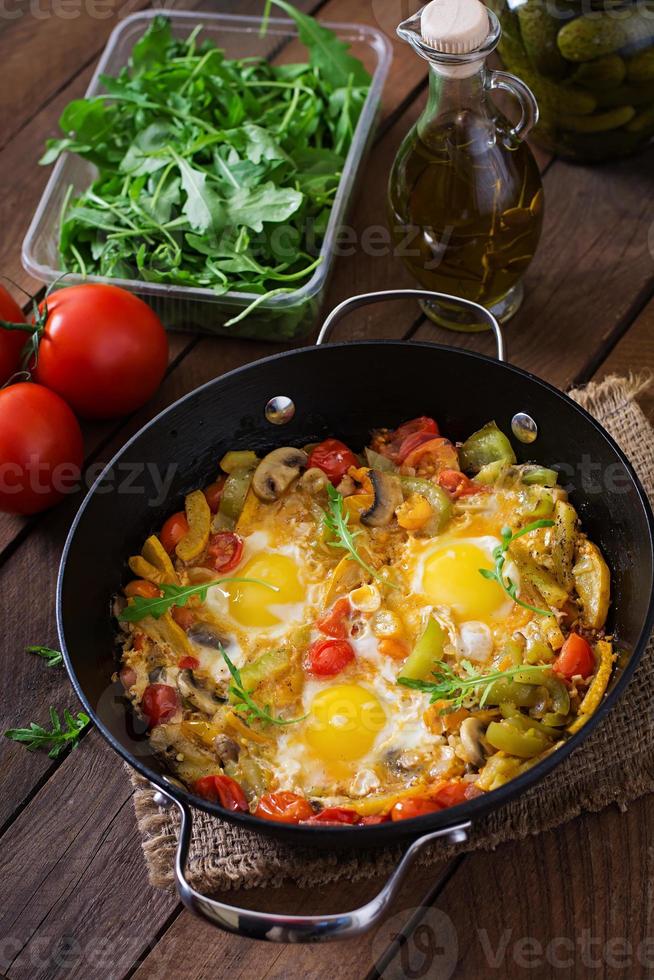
591 68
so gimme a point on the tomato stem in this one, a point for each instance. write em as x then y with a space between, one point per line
25 327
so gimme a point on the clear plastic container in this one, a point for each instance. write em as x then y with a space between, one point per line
282 318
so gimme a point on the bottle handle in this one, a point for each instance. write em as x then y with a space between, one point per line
506 82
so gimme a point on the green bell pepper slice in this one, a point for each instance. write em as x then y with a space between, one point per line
426 652
508 738
488 445
438 499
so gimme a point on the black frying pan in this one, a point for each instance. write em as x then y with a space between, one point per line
343 390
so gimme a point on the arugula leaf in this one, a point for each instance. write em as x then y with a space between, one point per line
463 691
499 554
327 52
177 595
251 207
58 740
244 702
336 521
53 658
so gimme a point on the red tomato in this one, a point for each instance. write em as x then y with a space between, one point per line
332 457
175 528
223 790
329 657
103 350
408 436
374 818
143 588
335 814
214 493
413 807
440 452
189 663
11 341
225 551
576 657
457 483
284 807
183 617
334 622
41 449
449 793
159 703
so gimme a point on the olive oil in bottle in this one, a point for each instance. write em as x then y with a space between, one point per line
465 196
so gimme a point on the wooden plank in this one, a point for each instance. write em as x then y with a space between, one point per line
593 267
75 892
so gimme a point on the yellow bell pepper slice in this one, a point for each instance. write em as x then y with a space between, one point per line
145 569
165 630
154 552
198 516
598 685
429 648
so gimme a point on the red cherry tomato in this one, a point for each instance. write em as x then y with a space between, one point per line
436 454
329 657
225 551
223 790
159 703
457 483
183 617
175 528
142 588
409 435
413 807
449 793
284 807
103 350
335 814
11 341
334 622
576 657
127 677
189 663
374 818
334 458
41 449
214 493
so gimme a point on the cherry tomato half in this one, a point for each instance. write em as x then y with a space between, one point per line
214 493
175 528
408 436
450 793
334 622
11 341
225 551
334 458
329 657
159 703
189 663
127 677
284 807
576 657
413 807
432 456
457 483
335 814
142 588
103 350
223 790
41 449
374 818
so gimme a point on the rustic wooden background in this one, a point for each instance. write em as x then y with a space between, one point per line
75 901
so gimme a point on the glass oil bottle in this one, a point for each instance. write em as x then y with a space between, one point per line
465 197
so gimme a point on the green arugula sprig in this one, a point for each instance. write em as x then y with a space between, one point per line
336 520
499 554
463 691
177 595
244 702
53 658
37 737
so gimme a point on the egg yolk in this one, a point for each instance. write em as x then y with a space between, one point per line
254 605
451 578
343 723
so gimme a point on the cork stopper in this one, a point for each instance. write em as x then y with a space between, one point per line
454 26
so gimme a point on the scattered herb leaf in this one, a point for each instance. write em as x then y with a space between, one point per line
177 595
336 521
499 554
459 691
245 703
36 737
53 658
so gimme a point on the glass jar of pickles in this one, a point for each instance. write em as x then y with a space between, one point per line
590 64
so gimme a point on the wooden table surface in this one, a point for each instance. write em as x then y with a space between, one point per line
75 902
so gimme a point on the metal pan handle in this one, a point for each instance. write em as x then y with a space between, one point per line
365 298
292 928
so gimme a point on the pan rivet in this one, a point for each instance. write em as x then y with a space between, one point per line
523 427
280 410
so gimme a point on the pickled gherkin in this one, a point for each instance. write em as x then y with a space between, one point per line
597 102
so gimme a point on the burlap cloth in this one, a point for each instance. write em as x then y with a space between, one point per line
615 764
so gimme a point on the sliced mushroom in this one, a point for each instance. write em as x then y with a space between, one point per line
388 495
226 749
162 675
472 747
314 480
195 692
276 472
206 635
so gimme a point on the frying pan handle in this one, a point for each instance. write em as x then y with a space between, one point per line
292 928
365 298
